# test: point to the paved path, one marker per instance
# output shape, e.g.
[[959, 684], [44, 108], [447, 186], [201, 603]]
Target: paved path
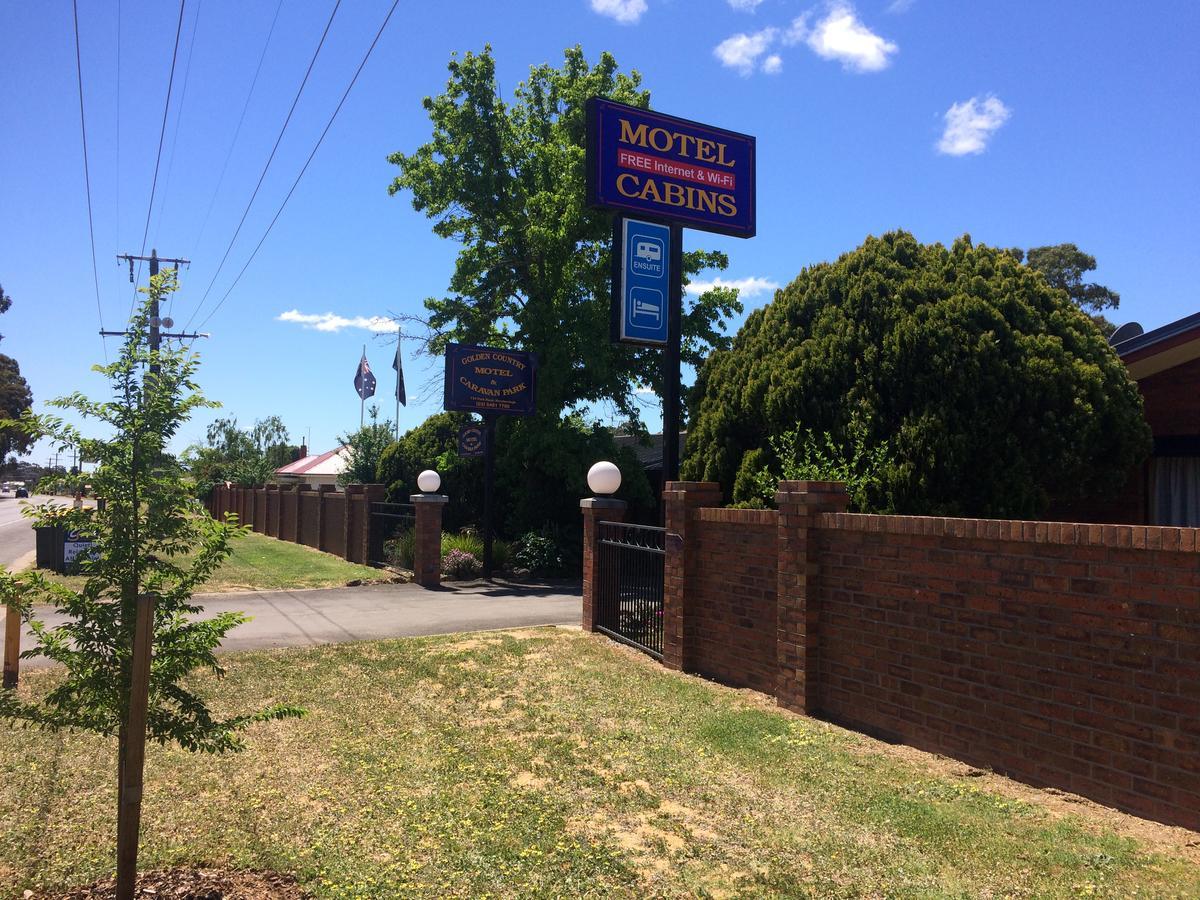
[[372, 612]]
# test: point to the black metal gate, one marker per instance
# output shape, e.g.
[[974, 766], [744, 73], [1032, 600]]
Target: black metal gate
[[629, 587], [388, 520]]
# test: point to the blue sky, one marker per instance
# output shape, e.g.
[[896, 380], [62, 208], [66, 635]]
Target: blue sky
[[1020, 123]]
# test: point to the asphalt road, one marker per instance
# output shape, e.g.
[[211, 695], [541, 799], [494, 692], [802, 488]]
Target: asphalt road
[[374, 612], [16, 534]]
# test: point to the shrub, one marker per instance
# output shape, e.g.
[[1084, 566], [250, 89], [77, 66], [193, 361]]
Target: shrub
[[988, 390], [460, 564], [398, 550], [537, 553]]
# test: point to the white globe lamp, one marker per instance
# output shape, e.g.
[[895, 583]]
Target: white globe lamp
[[429, 481], [604, 478]]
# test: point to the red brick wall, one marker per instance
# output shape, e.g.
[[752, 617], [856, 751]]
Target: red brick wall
[[1061, 654], [730, 613], [1173, 400], [1065, 655]]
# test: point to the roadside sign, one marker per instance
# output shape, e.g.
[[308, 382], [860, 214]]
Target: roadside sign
[[641, 281], [670, 169], [472, 441], [75, 547], [490, 380]]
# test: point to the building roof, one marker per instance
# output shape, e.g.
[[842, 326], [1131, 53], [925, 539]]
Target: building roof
[[1163, 348], [649, 455], [331, 463]]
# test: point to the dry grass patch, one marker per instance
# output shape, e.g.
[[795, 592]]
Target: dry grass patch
[[552, 763]]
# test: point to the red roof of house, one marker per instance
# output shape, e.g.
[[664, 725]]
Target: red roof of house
[[309, 463]]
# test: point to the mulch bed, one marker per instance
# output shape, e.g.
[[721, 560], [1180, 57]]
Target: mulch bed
[[200, 884]]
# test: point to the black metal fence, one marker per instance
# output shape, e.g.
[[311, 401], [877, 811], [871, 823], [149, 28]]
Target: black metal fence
[[629, 587], [388, 520]]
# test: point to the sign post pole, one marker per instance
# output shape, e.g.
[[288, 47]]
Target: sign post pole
[[489, 485], [671, 373]]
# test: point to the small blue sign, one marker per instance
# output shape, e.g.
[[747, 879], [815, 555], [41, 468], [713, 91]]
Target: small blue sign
[[643, 289]]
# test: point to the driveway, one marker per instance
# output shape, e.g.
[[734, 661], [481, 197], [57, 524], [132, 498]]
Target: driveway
[[372, 612]]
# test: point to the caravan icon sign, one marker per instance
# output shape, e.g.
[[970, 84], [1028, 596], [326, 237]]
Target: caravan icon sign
[[641, 281]]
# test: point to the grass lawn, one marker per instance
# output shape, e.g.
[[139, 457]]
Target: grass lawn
[[554, 763], [260, 563]]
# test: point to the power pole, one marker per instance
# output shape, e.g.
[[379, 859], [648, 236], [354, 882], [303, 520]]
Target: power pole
[[156, 333]]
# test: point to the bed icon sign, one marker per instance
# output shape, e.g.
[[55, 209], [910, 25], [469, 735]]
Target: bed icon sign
[[641, 281], [646, 306]]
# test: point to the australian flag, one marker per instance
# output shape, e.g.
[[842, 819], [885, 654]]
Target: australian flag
[[364, 379], [399, 367]]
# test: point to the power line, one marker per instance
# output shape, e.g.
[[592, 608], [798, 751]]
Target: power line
[[304, 169], [187, 76], [87, 177], [270, 158], [158, 158], [238, 130]]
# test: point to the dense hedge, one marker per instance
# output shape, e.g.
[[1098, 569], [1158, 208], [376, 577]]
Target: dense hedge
[[995, 394]]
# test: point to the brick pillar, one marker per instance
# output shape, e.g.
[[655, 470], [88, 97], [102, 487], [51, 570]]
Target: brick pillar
[[680, 501], [353, 507], [298, 511], [272, 528], [372, 493], [595, 509], [797, 639], [427, 544], [322, 490]]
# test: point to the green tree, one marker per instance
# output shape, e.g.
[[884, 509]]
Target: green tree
[[242, 456], [152, 536], [993, 392], [506, 180], [366, 446], [15, 399], [1064, 266], [15, 396], [434, 445]]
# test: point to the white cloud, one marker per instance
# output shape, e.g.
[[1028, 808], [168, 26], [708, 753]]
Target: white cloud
[[900, 6], [970, 124], [741, 51], [773, 64], [748, 287], [841, 36], [333, 323], [745, 5], [798, 30], [627, 12]]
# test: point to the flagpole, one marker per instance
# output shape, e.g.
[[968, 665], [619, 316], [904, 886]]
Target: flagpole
[[362, 399], [397, 434]]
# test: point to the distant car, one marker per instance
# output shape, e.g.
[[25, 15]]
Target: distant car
[[22, 492]]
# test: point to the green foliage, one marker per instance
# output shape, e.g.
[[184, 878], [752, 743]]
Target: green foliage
[[541, 471], [994, 393], [399, 549], [804, 456], [241, 456], [537, 553], [434, 445], [151, 537], [15, 397], [367, 446], [506, 180], [1064, 266]]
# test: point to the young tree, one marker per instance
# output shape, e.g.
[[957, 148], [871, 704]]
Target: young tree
[[994, 393], [151, 537], [366, 448]]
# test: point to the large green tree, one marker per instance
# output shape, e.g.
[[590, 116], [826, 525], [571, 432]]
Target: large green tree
[[244, 456], [15, 396], [1064, 266], [993, 392], [506, 180]]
